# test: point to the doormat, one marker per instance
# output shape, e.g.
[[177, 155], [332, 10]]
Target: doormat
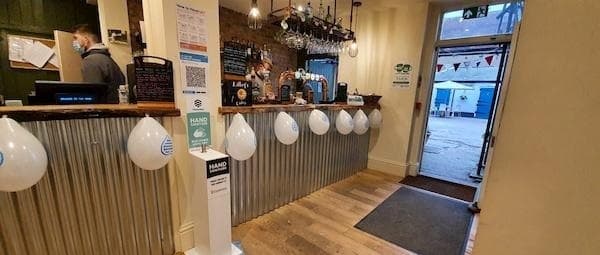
[[421, 222], [458, 191]]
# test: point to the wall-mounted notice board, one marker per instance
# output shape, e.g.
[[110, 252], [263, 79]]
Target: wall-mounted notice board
[[15, 47]]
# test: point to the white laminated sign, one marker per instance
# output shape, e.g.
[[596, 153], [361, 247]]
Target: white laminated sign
[[217, 173]]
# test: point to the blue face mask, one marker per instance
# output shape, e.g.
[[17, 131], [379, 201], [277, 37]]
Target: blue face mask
[[78, 48]]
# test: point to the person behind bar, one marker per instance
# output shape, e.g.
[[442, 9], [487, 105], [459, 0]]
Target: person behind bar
[[97, 65]]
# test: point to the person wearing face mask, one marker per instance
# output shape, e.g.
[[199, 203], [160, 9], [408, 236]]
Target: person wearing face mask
[[97, 65]]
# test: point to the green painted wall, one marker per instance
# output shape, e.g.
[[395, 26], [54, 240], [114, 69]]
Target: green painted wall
[[36, 18]]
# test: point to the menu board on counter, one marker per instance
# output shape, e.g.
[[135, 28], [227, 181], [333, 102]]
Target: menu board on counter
[[154, 81]]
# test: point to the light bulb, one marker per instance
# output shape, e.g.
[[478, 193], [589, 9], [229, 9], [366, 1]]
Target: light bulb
[[353, 49], [254, 18]]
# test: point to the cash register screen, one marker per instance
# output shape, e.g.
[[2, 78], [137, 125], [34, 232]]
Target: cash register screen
[[53, 92]]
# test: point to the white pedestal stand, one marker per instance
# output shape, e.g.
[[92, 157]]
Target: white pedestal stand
[[211, 205]]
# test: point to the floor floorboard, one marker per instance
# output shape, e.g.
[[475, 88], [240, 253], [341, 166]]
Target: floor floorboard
[[323, 222]]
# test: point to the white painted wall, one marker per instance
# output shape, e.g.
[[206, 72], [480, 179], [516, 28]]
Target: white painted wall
[[161, 33], [542, 186], [388, 36], [113, 15]]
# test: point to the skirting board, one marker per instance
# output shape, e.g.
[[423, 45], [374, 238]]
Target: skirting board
[[186, 234], [387, 166]]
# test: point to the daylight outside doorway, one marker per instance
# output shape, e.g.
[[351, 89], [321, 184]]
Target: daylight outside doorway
[[471, 54]]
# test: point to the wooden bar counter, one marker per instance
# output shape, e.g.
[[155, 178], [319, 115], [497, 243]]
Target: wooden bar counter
[[290, 108], [64, 112]]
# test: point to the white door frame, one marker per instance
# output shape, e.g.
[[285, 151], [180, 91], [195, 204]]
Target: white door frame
[[510, 38]]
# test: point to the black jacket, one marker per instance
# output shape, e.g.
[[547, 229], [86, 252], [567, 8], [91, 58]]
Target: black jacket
[[99, 67]]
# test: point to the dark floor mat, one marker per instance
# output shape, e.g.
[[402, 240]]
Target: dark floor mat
[[458, 191], [424, 223]]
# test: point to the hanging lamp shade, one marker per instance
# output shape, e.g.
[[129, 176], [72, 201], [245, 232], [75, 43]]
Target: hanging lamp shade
[[254, 17], [353, 48]]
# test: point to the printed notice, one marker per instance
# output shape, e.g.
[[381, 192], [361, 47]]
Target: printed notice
[[194, 71], [191, 28], [402, 75], [198, 129], [217, 174]]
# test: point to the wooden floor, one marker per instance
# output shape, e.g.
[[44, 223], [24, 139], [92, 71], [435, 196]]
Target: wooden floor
[[323, 222]]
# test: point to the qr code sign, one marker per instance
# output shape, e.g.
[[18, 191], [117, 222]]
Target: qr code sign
[[195, 76]]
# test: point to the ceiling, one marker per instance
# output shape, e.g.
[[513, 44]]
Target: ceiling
[[343, 6]]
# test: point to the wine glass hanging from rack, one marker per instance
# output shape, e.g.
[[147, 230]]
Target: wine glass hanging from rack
[[302, 29]]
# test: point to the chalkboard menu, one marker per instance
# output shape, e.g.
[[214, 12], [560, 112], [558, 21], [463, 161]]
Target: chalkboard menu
[[234, 58], [154, 81]]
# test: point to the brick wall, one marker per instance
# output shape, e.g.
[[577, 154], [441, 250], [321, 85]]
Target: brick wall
[[136, 14], [235, 25]]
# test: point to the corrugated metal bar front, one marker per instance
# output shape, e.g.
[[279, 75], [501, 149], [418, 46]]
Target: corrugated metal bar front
[[92, 200], [278, 174]]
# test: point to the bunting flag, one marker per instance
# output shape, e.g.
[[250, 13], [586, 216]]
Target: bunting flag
[[456, 66], [467, 64], [489, 59], [439, 67], [478, 63]]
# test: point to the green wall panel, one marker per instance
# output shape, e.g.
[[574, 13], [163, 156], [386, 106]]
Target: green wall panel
[[37, 18]]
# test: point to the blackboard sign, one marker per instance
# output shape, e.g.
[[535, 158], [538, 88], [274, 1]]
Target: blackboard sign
[[234, 58], [154, 81]]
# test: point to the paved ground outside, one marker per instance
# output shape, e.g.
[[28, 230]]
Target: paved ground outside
[[453, 149]]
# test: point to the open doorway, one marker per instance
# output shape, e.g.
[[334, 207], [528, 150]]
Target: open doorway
[[468, 70], [463, 99]]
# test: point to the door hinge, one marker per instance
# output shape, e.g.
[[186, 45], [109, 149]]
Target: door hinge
[[492, 141], [419, 81]]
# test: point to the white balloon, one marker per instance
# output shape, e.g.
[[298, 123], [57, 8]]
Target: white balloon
[[375, 118], [318, 122], [361, 122], [344, 123], [240, 140], [286, 128], [23, 159], [149, 145]]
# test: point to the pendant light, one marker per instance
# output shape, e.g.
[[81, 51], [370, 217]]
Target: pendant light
[[353, 48], [254, 18]]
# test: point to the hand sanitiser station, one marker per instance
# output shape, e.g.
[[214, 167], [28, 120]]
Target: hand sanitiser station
[[212, 204]]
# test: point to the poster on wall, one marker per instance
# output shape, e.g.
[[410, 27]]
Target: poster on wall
[[217, 173], [194, 72], [198, 126], [191, 29], [193, 63], [402, 76]]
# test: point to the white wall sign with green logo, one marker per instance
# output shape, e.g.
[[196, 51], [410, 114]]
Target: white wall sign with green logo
[[402, 74], [198, 129]]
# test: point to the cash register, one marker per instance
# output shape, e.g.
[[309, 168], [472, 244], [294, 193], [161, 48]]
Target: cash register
[[62, 93]]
